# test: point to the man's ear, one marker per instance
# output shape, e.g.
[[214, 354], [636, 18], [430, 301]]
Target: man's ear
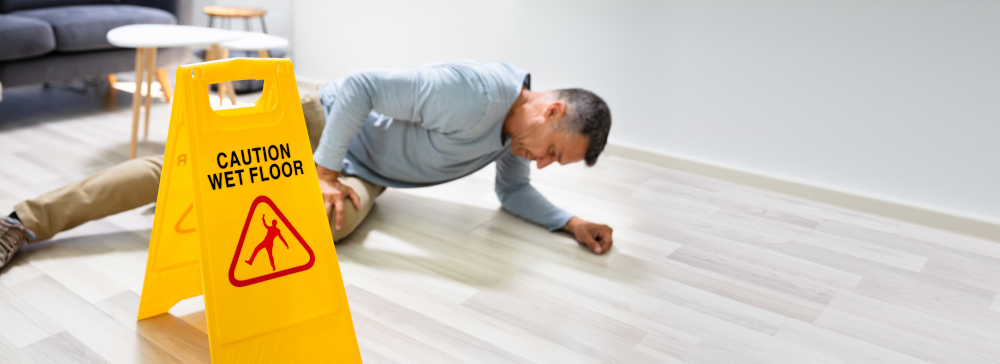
[[555, 110]]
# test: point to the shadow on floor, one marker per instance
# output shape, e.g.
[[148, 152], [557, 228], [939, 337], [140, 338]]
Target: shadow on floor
[[416, 234], [29, 105]]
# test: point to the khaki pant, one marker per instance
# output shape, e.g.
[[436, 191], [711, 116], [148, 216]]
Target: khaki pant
[[135, 183]]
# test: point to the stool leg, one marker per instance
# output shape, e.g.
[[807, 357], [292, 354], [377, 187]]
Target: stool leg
[[210, 20], [150, 68], [140, 63], [263, 53], [262, 26]]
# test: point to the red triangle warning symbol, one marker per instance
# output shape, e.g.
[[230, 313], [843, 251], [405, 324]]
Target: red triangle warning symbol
[[269, 254]]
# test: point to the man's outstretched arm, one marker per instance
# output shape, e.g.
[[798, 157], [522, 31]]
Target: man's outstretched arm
[[517, 196], [263, 220]]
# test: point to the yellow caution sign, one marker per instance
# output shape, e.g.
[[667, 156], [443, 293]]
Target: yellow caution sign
[[240, 217]]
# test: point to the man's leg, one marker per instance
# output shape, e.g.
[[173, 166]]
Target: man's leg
[[312, 109], [117, 189], [120, 188], [353, 217]]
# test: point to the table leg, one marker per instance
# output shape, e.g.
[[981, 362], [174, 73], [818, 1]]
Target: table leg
[[216, 53], [164, 80], [232, 92], [112, 92], [150, 67], [221, 88], [140, 63], [263, 53]]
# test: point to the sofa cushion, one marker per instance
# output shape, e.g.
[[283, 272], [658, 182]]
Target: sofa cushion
[[81, 65], [23, 37], [7, 6], [85, 27]]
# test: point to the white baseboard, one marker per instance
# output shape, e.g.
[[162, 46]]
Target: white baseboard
[[980, 226]]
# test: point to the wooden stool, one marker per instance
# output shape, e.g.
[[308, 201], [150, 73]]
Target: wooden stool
[[249, 42], [228, 13]]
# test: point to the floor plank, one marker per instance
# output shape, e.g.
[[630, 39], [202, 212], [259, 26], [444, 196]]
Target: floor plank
[[62, 348], [10, 353], [974, 339], [95, 329], [445, 338], [906, 342], [850, 349], [582, 330], [949, 239], [854, 247]]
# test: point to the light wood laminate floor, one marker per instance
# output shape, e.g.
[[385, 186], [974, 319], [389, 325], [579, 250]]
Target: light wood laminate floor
[[701, 271]]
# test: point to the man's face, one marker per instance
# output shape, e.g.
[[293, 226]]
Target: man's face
[[546, 144]]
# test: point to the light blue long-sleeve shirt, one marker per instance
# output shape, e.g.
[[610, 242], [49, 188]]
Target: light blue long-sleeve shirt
[[422, 126]]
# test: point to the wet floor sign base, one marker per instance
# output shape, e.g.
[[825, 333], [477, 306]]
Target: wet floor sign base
[[240, 219]]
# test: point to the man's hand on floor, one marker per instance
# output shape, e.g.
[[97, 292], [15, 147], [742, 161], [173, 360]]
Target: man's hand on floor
[[334, 194], [597, 237]]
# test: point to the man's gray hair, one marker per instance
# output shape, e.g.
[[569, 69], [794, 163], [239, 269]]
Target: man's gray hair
[[588, 115]]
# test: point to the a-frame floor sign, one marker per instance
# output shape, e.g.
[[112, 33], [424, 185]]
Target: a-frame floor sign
[[240, 218]]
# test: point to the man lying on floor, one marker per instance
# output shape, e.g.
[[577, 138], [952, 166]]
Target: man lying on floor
[[410, 127]]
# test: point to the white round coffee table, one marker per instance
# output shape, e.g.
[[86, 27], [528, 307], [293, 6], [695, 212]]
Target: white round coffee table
[[248, 41], [146, 38], [259, 42]]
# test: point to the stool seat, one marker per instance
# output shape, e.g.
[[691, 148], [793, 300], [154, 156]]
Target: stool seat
[[229, 12]]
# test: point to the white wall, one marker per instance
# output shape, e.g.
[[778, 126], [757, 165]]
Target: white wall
[[895, 97]]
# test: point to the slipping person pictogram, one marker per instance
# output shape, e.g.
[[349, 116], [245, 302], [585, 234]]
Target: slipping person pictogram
[[272, 232], [293, 260]]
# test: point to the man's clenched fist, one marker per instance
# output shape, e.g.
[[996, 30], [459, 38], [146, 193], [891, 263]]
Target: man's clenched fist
[[597, 237]]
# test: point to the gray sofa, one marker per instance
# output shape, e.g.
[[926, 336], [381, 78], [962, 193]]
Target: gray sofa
[[62, 40]]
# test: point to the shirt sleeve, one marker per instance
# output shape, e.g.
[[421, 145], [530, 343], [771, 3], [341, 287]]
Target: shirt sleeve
[[517, 196], [422, 95]]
